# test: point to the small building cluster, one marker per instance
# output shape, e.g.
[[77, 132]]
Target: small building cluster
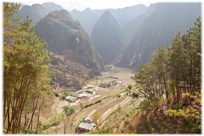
[[86, 125], [82, 95], [103, 84]]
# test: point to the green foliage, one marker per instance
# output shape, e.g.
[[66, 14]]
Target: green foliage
[[68, 110], [81, 104], [87, 105], [171, 68], [98, 101], [96, 116], [184, 101], [127, 115], [129, 86], [144, 105], [89, 91], [135, 86], [134, 94], [192, 114], [54, 121], [103, 130], [56, 94], [119, 109], [139, 129], [177, 106], [63, 97], [25, 67]]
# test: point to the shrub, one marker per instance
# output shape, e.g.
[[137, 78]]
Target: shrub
[[185, 101], [98, 101], [127, 115], [130, 87], [63, 97], [54, 121], [87, 105], [56, 94], [139, 130], [135, 95], [89, 91], [70, 111], [177, 106]]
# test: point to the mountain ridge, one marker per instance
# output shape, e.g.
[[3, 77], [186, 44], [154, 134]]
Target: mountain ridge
[[69, 40]]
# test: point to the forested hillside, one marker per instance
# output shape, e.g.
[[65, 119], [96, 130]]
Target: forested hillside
[[170, 86], [65, 36]]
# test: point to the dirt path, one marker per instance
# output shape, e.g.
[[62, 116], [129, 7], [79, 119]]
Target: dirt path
[[91, 113]]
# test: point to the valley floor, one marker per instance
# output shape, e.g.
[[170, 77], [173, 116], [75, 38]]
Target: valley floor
[[107, 106]]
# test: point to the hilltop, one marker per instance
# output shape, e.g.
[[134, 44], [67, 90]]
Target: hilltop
[[65, 36]]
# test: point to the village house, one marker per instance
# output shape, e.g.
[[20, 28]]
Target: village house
[[86, 126], [90, 86], [120, 83], [82, 95], [103, 84], [71, 99]]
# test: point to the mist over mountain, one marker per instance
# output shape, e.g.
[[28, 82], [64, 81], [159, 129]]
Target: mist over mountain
[[107, 37], [50, 6], [159, 28], [151, 8], [87, 18], [65, 36], [35, 12], [124, 15], [131, 27]]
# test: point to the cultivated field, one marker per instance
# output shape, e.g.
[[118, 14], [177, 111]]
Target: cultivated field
[[105, 107]]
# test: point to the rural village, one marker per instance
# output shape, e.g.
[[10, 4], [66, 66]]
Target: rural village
[[107, 89]]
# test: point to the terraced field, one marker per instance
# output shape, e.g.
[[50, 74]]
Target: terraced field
[[105, 107]]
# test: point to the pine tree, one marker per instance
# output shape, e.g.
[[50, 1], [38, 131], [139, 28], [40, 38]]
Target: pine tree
[[25, 68]]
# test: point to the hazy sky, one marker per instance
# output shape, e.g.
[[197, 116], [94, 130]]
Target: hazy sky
[[93, 4]]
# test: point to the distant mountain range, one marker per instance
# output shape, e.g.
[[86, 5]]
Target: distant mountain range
[[124, 15], [107, 37], [50, 6], [87, 18], [125, 37], [158, 28], [35, 12]]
